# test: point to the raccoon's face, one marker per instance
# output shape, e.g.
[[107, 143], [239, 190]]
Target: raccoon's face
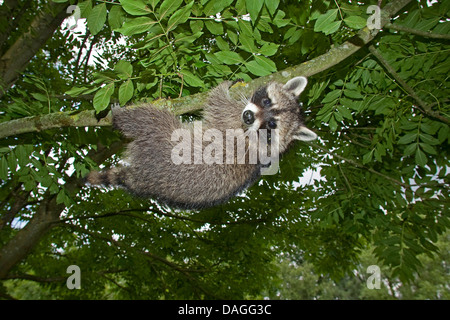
[[275, 106]]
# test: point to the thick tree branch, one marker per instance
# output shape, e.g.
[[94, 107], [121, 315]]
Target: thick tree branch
[[6, 11], [195, 102], [45, 218], [51, 121], [17, 57], [25, 240]]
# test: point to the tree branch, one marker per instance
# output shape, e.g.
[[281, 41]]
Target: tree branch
[[153, 257], [17, 57], [195, 102], [358, 165], [51, 121], [424, 108], [36, 278], [45, 218], [417, 32]]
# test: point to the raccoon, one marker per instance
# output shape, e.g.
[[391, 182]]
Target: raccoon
[[151, 172]]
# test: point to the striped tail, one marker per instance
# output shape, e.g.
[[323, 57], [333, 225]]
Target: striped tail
[[111, 177]]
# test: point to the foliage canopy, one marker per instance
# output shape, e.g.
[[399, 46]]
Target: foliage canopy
[[381, 164]]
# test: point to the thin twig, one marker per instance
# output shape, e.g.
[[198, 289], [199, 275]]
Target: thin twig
[[422, 105], [358, 165], [417, 32]]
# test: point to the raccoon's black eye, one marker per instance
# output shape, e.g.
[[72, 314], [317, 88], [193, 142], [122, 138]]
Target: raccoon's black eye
[[272, 124], [248, 117], [266, 102]]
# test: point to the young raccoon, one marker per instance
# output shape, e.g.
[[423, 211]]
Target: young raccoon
[[151, 171]]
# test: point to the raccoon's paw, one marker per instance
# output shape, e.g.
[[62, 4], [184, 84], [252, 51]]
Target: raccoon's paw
[[240, 80]]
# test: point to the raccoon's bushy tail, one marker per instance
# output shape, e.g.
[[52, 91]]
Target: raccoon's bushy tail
[[111, 177]]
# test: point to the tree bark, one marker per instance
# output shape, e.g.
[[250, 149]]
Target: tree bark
[[22, 243], [45, 218], [17, 57]]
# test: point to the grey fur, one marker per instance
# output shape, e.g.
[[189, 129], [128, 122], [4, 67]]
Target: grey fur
[[151, 173]]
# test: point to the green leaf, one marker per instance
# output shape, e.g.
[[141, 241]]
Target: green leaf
[[326, 22], [254, 7], [368, 157], [333, 124], [355, 22], [97, 18], [124, 69], [103, 97], [427, 148], [279, 20], [126, 91], [153, 3], [345, 112], [269, 49], [21, 155], [215, 27], [191, 79], [196, 25], [168, 6], [214, 7], [135, 7], [259, 69], [3, 169], [179, 17], [266, 63], [409, 150], [247, 43], [40, 97], [229, 57], [136, 26], [331, 96], [63, 197], [408, 138], [222, 44], [421, 158], [272, 5], [428, 139], [353, 94], [116, 17], [75, 91]]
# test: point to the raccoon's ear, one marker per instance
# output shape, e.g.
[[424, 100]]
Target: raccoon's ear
[[304, 134], [296, 85]]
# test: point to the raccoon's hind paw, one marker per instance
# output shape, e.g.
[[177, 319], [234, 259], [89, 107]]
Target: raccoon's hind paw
[[240, 80]]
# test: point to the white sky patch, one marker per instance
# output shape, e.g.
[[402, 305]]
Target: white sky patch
[[78, 29], [309, 176]]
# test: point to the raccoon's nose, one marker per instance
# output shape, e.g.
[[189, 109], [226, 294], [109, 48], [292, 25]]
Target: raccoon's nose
[[248, 117]]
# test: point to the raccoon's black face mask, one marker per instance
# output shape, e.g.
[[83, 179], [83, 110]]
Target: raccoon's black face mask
[[275, 106]]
